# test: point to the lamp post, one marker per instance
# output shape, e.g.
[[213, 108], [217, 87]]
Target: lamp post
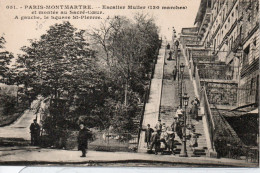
[[176, 52], [181, 70], [184, 150], [176, 55], [173, 34]]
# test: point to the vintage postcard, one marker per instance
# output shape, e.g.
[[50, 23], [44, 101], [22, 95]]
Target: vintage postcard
[[129, 83]]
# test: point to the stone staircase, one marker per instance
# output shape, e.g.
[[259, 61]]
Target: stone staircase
[[169, 104]]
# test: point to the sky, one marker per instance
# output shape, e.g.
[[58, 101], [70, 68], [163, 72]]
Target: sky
[[17, 32]]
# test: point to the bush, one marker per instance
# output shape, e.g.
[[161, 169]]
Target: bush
[[8, 104]]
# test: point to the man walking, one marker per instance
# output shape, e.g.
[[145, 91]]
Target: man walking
[[35, 132], [84, 135]]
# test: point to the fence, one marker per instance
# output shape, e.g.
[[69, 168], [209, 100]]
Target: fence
[[114, 141], [102, 141]]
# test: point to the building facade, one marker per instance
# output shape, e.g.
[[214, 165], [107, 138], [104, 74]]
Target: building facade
[[224, 58], [229, 31]]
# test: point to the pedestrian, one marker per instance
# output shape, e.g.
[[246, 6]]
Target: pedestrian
[[35, 132], [179, 129], [194, 110], [174, 73], [168, 46], [197, 101], [179, 113], [83, 137], [158, 126], [148, 135], [193, 139], [174, 123], [155, 139], [170, 55], [163, 137], [170, 140]]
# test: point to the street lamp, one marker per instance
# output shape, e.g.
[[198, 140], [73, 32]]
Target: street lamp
[[177, 65], [181, 71], [176, 55], [184, 150]]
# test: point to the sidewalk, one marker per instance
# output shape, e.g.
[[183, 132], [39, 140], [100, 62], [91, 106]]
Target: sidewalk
[[20, 128], [36, 156]]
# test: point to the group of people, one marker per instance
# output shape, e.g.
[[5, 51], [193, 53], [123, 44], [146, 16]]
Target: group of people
[[162, 138]]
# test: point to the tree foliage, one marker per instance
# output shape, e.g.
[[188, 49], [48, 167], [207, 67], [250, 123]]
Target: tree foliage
[[5, 58], [101, 82]]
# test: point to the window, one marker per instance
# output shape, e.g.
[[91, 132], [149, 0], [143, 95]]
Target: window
[[231, 42], [252, 86], [254, 42], [245, 55], [249, 18]]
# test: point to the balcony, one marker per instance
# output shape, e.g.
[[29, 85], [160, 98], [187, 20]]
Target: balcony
[[204, 58], [237, 43], [189, 31]]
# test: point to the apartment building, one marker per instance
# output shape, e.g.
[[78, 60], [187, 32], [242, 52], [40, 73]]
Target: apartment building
[[248, 40], [228, 30]]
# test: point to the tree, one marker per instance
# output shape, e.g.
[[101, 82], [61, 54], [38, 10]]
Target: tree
[[61, 66], [128, 50], [5, 58]]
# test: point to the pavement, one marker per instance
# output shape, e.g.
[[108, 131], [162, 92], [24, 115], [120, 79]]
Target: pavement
[[20, 128], [39, 156]]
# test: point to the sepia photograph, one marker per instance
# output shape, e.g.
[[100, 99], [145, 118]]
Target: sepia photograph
[[169, 84]]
